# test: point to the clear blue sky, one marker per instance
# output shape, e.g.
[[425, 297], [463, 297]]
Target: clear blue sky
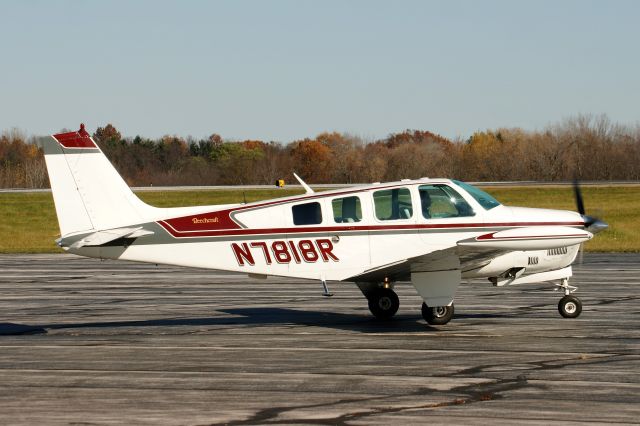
[[281, 70]]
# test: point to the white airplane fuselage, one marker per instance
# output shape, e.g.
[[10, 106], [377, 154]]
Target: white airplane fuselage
[[432, 232], [261, 239]]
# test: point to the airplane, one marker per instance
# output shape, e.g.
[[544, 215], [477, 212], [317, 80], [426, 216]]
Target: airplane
[[431, 232]]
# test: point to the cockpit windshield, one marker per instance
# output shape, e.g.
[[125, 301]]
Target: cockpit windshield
[[484, 199]]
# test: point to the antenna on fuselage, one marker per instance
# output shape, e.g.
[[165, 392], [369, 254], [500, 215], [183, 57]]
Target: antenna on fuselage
[[307, 188]]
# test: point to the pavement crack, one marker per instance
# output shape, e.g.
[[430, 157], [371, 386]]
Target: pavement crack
[[614, 300], [552, 364], [468, 394]]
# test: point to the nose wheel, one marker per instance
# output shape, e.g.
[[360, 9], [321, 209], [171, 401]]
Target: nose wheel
[[570, 306], [383, 303]]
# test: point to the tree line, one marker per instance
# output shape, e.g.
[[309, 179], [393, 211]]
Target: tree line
[[584, 147]]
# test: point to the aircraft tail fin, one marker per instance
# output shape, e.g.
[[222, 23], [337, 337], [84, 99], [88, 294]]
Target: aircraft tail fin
[[88, 192]]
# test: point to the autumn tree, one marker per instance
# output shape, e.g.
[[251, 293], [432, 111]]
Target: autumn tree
[[106, 134], [21, 162], [311, 160], [375, 163]]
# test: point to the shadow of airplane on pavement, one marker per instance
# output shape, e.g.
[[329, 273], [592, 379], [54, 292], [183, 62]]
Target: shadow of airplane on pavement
[[247, 317], [259, 316]]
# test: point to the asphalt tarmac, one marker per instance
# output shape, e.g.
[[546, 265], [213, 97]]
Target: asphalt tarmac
[[87, 342]]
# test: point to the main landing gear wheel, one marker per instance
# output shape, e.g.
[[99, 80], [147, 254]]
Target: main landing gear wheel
[[383, 303], [438, 315], [570, 306]]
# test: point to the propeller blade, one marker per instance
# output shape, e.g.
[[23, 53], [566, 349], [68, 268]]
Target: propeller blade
[[591, 224], [578, 194]]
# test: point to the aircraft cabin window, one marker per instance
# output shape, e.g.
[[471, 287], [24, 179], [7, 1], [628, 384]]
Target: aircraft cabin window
[[440, 201], [307, 214], [393, 204], [346, 210]]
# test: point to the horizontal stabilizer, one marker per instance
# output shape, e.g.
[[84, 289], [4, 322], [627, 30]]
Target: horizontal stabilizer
[[103, 237]]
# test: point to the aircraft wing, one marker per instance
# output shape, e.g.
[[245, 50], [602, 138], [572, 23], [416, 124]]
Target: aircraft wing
[[473, 253], [437, 274], [458, 257]]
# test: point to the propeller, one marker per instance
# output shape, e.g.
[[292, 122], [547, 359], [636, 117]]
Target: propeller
[[591, 223]]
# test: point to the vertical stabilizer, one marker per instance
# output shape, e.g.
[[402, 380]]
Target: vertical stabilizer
[[88, 192]]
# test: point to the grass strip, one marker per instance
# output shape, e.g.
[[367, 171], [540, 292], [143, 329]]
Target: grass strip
[[29, 223]]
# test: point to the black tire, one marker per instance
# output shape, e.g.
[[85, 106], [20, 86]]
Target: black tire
[[570, 306], [383, 303], [439, 315]]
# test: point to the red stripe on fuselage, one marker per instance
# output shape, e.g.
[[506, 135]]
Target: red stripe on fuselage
[[326, 229], [492, 237]]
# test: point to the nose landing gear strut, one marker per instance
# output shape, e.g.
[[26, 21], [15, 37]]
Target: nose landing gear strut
[[569, 306]]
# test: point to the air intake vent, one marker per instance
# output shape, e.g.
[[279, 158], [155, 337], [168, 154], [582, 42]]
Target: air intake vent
[[533, 260], [557, 251]]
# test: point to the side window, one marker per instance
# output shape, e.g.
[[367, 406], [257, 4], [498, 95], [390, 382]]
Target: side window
[[393, 204], [307, 214], [346, 210], [440, 201]]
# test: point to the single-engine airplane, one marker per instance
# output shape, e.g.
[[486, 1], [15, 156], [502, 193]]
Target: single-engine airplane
[[432, 232]]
